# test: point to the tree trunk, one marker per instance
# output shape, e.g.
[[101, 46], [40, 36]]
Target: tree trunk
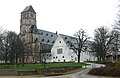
[[6, 57], [78, 56]]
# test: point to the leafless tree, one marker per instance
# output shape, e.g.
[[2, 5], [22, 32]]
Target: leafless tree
[[12, 47], [81, 38], [19, 51], [1, 45], [103, 40]]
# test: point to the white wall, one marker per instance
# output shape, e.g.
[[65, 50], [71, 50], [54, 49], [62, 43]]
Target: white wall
[[87, 56], [68, 54]]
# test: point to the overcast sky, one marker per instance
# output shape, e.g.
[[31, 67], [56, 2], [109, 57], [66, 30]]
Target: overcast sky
[[64, 16]]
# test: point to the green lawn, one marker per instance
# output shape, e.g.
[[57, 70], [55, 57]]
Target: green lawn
[[42, 66]]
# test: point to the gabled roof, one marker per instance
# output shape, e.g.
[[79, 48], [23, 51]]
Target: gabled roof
[[73, 40], [46, 37], [69, 40], [29, 8]]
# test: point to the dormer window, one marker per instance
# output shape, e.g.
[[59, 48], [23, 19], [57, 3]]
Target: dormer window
[[53, 42], [51, 35], [56, 57], [68, 41], [46, 34], [42, 39], [65, 37], [71, 45], [41, 33], [48, 41]]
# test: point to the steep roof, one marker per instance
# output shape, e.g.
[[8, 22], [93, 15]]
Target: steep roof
[[46, 37], [29, 8], [69, 40]]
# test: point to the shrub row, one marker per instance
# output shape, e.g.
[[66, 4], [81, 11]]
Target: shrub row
[[47, 71], [105, 71]]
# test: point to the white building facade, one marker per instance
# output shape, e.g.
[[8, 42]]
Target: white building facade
[[62, 51]]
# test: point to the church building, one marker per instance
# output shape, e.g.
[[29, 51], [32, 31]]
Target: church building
[[45, 46], [37, 41]]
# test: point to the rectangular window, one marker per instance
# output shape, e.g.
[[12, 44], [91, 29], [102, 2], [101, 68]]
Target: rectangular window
[[59, 51]]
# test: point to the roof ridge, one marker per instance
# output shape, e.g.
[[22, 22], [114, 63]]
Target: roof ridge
[[47, 31], [67, 35]]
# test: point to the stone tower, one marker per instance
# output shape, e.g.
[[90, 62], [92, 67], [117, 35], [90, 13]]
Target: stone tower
[[27, 24]]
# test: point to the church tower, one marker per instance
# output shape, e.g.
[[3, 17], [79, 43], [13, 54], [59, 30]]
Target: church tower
[[27, 22]]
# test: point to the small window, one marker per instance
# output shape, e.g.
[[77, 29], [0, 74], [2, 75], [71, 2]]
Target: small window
[[59, 41], [27, 14], [51, 35], [71, 56], [48, 41], [41, 33], [62, 56], [71, 45], [42, 39], [64, 60], [65, 37], [56, 57], [68, 41], [58, 60], [46, 34], [53, 57], [53, 42], [59, 51]]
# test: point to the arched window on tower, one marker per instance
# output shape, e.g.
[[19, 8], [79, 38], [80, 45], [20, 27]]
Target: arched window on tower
[[27, 15]]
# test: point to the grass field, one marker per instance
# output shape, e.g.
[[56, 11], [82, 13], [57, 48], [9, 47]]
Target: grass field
[[41, 65]]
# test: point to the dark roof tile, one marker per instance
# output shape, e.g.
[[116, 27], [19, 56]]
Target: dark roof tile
[[29, 8]]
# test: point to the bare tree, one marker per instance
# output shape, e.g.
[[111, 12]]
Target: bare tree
[[12, 39], [19, 51], [81, 38], [12, 47], [103, 41], [1, 45]]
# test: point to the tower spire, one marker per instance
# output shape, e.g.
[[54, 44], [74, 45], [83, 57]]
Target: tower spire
[[29, 8]]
